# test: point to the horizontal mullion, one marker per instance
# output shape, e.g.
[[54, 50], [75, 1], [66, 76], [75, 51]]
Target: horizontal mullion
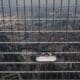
[[47, 79], [74, 42], [30, 72], [39, 62], [39, 52], [42, 19], [44, 31]]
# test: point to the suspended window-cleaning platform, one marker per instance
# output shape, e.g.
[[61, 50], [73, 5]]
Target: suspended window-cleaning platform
[[46, 58]]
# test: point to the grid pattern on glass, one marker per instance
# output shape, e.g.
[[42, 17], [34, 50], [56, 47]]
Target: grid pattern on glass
[[29, 28]]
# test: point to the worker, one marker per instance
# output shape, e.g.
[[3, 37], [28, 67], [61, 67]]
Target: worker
[[50, 54], [43, 54]]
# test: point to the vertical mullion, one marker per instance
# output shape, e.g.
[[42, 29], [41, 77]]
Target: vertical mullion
[[67, 20], [24, 15], [76, 2], [61, 13], [53, 12], [2, 6], [11, 31], [46, 23], [17, 14], [53, 26], [10, 19], [10, 14], [25, 33], [32, 18], [17, 9], [10, 26], [32, 14], [39, 21], [46, 19], [39, 14], [46, 13], [24, 19], [39, 30], [53, 19], [74, 24], [61, 5], [61, 9]]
